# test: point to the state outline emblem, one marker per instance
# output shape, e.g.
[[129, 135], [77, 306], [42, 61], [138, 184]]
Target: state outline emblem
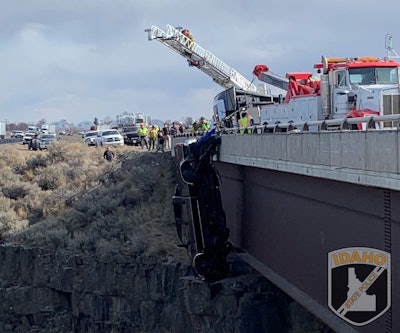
[[359, 284]]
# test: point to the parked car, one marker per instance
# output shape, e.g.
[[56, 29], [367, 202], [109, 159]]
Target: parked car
[[130, 134], [90, 137], [42, 141], [28, 136], [17, 134], [109, 137]]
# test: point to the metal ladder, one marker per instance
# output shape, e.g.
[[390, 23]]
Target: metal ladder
[[197, 56]]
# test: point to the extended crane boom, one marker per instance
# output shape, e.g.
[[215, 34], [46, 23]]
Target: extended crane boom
[[197, 56]]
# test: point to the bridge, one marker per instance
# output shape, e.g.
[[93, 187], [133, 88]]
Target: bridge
[[297, 204]]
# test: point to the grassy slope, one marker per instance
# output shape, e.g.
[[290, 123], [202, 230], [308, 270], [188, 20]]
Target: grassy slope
[[70, 197]]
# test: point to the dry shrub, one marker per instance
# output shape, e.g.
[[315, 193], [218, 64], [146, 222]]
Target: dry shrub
[[28, 176], [21, 211], [9, 220], [38, 161], [15, 191], [11, 159], [49, 232], [58, 152], [109, 209], [52, 177], [42, 181], [9, 177]]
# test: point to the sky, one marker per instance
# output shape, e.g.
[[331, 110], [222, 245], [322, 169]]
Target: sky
[[77, 60]]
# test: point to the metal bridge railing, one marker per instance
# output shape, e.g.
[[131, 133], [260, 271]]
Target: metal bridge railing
[[369, 123], [10, 140]]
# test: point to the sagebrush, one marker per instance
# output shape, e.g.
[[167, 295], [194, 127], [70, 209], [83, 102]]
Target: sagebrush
[[70, 197]]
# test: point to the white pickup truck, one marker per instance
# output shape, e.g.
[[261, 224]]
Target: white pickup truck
[[109, 137], [28, 136], [89, 138]]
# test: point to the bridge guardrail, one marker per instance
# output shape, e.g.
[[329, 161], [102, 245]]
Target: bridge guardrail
[[10, 140], [370, 123]]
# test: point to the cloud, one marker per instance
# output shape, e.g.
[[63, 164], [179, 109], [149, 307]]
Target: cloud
[[77, 60]]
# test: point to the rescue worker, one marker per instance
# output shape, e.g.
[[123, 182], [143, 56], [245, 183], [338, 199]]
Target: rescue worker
[[167, 136], [153, 137], [160, 141], [190, 42], [180, 128], [142, 132], [194, 127], [245, 122], [108, 154], [33, 143], [204, 124]]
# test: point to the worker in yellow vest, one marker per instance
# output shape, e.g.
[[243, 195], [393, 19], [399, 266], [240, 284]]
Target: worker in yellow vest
[[153, 137], [142, 132], [204, 124], [245, 122]]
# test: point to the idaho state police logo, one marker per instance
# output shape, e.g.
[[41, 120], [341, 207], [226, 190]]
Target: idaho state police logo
[[359, 284]]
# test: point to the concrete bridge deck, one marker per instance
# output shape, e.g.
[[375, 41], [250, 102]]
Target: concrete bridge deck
[[366, 158]]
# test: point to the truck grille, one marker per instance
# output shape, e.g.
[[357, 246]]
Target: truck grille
[[391, 105], [113, 139]]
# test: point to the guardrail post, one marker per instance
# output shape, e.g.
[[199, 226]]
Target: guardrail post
[[371, 123], [344, 125]]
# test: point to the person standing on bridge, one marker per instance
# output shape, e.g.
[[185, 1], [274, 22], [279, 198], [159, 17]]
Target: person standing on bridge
[[142, 132], [160, 141], [245, 122], [204, 124], [167, 136], [152, 137]]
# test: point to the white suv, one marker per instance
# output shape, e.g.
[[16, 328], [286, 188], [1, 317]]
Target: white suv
[[17, 134], [90, 138], [109, 137]]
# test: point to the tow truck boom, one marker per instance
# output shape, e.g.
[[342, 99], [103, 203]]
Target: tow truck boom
[[197, 56]]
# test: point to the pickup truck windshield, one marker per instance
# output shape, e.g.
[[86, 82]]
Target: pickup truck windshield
[[48, 136], [113, 132], [132, 129]]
